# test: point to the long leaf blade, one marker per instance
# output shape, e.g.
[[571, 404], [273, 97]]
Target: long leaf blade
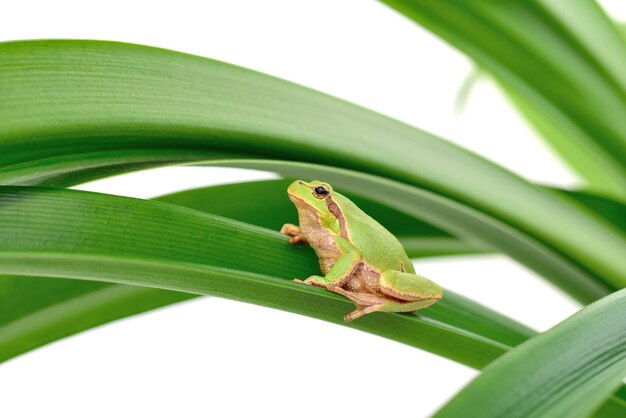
[[567, 72], [265, 205], [80, 235], [101, 98], [36, 311], [565, 372], [448, 215]]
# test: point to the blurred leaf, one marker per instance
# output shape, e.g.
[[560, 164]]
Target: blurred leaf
[[265, 203], [615, 407], [565, 372], [553, 132], [96, 101], [561, 62], [609, 209], [80, 235], [579, 157], [466, 88], [36, 311], [446, 214]]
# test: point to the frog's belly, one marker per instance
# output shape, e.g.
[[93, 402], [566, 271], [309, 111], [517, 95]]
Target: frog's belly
[[363, 279]]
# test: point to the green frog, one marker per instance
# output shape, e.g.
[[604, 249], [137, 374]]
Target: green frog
[[359, 258]]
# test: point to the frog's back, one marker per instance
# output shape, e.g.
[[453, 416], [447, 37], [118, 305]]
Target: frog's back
[[378, 247]]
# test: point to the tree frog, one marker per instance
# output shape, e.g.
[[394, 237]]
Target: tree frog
[[359, 258]]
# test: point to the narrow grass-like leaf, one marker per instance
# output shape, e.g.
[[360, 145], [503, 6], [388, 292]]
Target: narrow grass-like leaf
[[36, 311], [80, 235], [565, 372], [99, 99], [461, 221], [558, 135], [566, 73], [581, 156], [264, 203], [611, 210]]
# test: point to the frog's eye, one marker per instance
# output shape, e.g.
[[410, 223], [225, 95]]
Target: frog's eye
[[321, 192]]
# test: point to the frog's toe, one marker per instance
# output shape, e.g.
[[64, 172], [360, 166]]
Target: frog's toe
[[290, 229], [313, 281], [360, 311], [297, 238]]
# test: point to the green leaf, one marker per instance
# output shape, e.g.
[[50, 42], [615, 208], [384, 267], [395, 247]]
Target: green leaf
[[565, 372], [615, 407], [100, 100], [43, 310], [448, 215], [559, 134], [611, 210], [264, 203], [36, 311], [261, 203], [80, 235], [556, 134], [566, 74]]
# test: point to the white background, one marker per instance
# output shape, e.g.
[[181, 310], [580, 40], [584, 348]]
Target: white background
[[215, 357]]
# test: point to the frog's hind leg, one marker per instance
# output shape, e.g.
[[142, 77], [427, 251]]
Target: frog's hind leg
[[360, 311], [365, 302], [409, 287]]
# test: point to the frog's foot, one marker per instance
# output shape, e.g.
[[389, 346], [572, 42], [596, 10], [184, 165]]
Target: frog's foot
[[294, 233], [313, 281], [360, 311], [365, 302]]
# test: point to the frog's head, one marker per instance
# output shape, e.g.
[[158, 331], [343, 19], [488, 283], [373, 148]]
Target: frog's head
[[311, 196], [317, 208]]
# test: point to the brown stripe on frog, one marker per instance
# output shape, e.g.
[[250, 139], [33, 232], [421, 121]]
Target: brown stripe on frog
[[336, 212]]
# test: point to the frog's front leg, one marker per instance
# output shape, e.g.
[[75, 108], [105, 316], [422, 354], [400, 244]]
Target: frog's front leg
[[341, 271], [294, 233], [365, 303]]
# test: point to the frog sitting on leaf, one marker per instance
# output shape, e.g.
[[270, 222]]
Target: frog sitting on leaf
[[359, 258]]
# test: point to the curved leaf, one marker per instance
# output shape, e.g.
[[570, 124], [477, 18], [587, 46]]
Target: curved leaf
[[565, 372], [100, 99], [611, 210], [43, 310], [566, 74], [80, 235], [261, 203], [461, 221], [36, 311], [264, 203]]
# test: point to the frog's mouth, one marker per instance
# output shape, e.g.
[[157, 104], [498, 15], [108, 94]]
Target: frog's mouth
[[301, 204], [297, 184], [297, 201]]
